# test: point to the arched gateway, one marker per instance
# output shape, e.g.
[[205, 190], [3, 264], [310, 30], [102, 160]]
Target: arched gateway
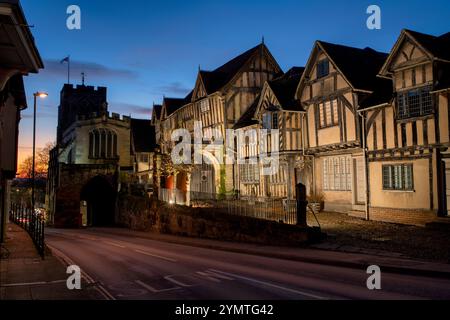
[[97, 203]]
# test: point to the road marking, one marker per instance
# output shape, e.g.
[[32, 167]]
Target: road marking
[[88, 238], [155, 255], [150, 288], [39, 283], [272, 285], [114, 244], [66, 260], [208, 276], [177, 282], [212, 276]]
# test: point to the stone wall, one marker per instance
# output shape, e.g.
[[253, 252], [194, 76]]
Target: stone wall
[[67, 195], [404, 216], [151, 215]]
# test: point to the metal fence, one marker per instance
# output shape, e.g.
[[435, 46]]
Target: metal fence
[[275, 209], [32, 222]]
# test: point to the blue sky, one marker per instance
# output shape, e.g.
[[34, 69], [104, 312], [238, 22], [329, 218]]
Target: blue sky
[[144, 49]]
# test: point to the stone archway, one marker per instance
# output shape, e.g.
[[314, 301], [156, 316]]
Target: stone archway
[[204, 179], [98, 202]]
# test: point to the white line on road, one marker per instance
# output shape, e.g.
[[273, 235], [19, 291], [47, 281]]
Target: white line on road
[[209, 277], [87, 238], [271, 285], [155, 255], [150, 288], [114, 244], [177, 282], [40, 283], [67, 261]]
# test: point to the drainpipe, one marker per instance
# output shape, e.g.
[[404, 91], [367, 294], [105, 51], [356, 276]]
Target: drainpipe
[[364, 145], [308, 156]]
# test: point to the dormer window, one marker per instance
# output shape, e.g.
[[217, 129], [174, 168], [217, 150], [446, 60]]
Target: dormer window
[[270, 120], [323, 68]]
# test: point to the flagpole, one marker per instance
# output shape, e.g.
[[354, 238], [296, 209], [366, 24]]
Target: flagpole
[[68, 70]]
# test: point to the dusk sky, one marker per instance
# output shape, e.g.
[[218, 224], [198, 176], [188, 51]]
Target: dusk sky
[[142, 50]]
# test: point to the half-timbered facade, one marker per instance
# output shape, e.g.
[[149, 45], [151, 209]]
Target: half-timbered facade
[[336, 79], [275, 109], [408, 132], [218, 100]]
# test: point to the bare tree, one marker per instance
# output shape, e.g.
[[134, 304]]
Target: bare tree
[[41, 167]]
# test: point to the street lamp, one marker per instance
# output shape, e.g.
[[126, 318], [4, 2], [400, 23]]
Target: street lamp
[[33, 178]]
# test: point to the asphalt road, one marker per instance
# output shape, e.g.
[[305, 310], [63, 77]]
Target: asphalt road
[[125, 267]]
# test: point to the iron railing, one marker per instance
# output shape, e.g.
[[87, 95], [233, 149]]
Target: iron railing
[[30, 221], [275, 209]]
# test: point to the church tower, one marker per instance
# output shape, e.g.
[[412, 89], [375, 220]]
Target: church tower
[[79, 102]]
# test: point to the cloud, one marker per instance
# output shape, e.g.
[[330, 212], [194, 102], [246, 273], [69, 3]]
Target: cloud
[[39, 115], [176, 88], [128, 108], [54, 68]]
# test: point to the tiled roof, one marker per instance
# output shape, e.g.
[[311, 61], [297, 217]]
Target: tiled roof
[[157, 110], [218, 78], [247, 119], [359, 66], [143, 135], [173, 104], [285, 87], [439, 47]]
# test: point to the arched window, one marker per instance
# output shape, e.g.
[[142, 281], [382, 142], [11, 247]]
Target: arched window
[[102, 144]]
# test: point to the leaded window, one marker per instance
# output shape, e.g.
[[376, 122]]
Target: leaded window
[[337, 174], [398, 177], [249, 173], [328, 114], [323, 68], [415, 103]]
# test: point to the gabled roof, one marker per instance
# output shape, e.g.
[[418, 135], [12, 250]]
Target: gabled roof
[[439, 47], [156, 114], [359, 66], [383, 94], [172, 104], [143, 135], [284, 88], [217, 79], [434, 47]]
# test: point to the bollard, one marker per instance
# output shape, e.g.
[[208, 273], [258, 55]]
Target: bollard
[[301, 204]]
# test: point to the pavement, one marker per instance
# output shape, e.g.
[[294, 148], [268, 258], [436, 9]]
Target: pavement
[[25, 275], [138, 265]]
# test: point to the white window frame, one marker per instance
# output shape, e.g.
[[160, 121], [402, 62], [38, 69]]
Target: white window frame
[[337, 175]]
